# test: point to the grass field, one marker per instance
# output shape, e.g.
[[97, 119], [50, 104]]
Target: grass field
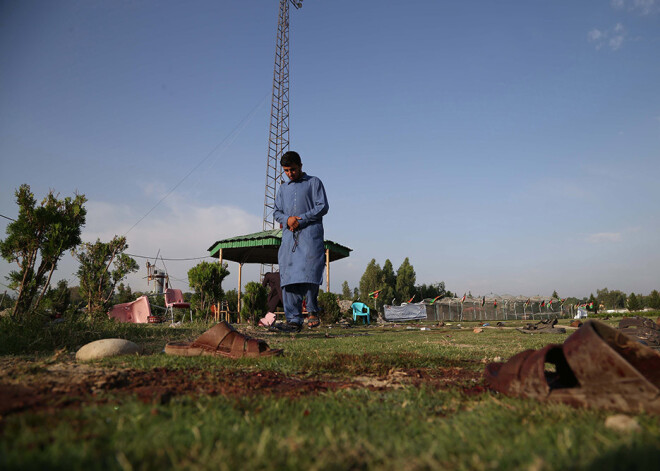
[[378, 397]]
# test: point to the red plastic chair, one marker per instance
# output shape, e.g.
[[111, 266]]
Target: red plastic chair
[[174, 300]]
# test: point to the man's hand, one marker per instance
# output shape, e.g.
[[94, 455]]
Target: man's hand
[[292, 223]]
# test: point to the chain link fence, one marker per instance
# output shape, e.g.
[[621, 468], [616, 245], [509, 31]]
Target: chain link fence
[[498, 308]]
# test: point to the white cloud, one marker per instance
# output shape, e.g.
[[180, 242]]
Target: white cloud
[[604, 237], [595, 35], [614, 38], [177, 229], [644, 7]]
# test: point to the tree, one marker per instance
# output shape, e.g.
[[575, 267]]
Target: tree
[[432, 291], [654, 300], [611, 299], [36, 242], [593, 304], [345, 290], [555, 295], [232, 300], [124, 294], [206, 279], [6, 301], [330, 310], [255, 302], [388, 292], [101, 266], [405, 281], [58, 299], [633, 303], [372, 280]]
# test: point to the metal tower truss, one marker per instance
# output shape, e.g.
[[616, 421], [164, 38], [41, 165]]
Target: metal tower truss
[[278, 136]]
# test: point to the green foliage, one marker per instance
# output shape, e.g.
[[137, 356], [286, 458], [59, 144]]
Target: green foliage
[[614, 299], [593, 304], [653, 300], [395, 288], [443, 416], [372, 280], [206, 279], [330, 310], [58, 300], [102, 265], [254, 301], [36, 241], [232, 300], [345, 290], [37, 337], [6, 301], [388, 288], [405, 281], [633, 303], [432, 291], [124, 294]]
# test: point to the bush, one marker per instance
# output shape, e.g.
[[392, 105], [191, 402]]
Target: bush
[[330, 311], [254, 302]]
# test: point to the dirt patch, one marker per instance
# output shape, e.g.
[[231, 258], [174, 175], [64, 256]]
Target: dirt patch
[[42, 386]]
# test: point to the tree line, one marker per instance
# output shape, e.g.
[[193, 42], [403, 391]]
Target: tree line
[[43, 232], [390, 287]]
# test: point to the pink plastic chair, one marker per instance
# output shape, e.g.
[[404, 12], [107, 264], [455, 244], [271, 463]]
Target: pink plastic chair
[[138, 311], [174, 300]]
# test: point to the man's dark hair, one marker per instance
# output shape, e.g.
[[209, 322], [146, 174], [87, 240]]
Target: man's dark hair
[[290, 158]]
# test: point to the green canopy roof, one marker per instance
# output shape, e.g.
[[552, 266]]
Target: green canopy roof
[[262, 247]]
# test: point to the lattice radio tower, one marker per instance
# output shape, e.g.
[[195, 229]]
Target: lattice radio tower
[[278, 136]]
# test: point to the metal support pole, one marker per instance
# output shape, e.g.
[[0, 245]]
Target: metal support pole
[[327, 270], [240, 271]]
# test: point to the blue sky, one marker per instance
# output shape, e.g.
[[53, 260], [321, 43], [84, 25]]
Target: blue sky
[[504, 147]]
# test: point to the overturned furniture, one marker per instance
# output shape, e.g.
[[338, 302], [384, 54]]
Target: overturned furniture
[[137, 312]]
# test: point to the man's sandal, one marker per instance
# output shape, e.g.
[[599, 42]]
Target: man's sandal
[[313, 321], [222, 340], [597, 366]]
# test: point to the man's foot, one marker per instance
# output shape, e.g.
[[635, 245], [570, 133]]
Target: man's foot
[[313, 321], [290, 327]]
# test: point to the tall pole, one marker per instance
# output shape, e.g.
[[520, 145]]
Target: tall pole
[[278, 136]]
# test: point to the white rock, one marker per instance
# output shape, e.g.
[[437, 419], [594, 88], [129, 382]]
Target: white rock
[[622, 423], [105, 348]]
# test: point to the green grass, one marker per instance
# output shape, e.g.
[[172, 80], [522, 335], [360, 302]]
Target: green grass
[[410, 427]]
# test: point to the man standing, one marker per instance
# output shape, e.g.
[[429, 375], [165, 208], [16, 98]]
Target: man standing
[[300, 205], [272, 280]]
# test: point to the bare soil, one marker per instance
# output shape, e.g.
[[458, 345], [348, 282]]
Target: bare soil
[[29, 386]]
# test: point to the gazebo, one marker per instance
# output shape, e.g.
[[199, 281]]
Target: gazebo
[[262, 247]]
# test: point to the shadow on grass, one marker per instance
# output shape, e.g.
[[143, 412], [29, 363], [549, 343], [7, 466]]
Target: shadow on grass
[[630, 458], [36, 336]]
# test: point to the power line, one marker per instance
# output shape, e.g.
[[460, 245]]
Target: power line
[[171, 259], [7, 217], [234, 134]]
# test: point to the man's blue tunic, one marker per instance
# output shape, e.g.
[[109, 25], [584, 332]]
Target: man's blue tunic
[[302, 255]]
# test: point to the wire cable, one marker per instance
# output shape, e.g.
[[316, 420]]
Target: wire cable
[[170, 259], [235, 132]]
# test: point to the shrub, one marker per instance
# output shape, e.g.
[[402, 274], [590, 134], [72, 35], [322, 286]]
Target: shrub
[[254, 302], [330, 310]]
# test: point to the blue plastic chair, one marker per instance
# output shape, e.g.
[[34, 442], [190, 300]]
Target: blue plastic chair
[[361, 309]]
